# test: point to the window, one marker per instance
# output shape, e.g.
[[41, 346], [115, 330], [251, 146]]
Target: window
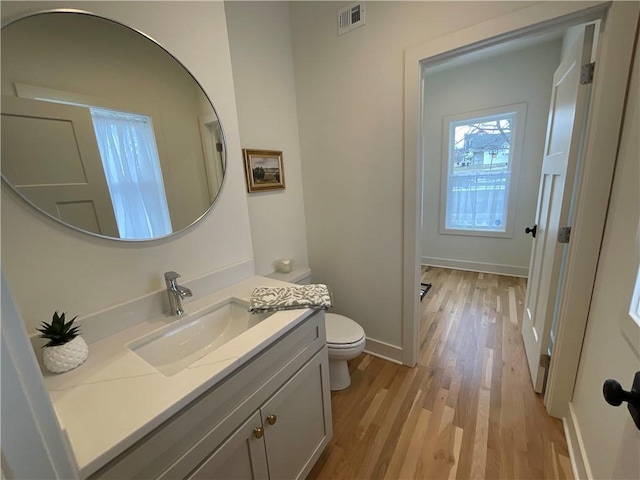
[[132, 168], [130, 161], [481, 154], [634, 309], [630, 324]]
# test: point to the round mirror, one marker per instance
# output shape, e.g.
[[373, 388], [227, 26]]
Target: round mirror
[[104, 130]]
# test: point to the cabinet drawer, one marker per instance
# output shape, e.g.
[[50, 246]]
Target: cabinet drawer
[[176, 447]]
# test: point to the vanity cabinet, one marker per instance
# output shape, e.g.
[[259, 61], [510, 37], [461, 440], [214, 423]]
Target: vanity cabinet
[[241, 457], [270, 419], [277, 440]]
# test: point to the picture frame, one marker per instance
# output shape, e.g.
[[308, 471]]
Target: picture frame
[[263, 170]]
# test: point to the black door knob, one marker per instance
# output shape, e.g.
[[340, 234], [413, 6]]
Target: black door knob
[[532, 230], [614, 394]]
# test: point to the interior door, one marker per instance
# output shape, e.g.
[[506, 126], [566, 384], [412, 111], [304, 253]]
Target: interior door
[[211, 134], [611, 347], [567, 114], [71, 186]]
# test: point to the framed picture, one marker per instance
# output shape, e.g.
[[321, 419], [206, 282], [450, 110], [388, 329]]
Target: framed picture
[[263, 169]]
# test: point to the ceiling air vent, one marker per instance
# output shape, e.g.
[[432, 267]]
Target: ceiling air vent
[[350, 17]]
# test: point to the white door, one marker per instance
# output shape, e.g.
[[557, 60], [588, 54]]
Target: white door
[[611, 347], [61, 172], [211, 135], [567, 114]]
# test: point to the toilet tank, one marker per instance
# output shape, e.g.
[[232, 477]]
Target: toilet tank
[[304, 278], [299, 275]]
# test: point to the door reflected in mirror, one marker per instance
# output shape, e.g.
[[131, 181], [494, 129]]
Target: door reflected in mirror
[[105, 131]]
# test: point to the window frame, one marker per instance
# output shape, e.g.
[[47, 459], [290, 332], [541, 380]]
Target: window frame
[[519, 111], [634, 307], [630, 324], [120, 192]]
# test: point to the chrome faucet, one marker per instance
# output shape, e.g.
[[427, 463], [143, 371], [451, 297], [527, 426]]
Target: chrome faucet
[[176, 293]]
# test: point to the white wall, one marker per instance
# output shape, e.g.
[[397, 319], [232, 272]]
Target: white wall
[[350, 93], [49, 266], [521, 76], [611, 440], [262, 59]]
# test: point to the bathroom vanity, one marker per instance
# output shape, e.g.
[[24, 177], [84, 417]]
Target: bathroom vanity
[[213, 393], [257, 406]]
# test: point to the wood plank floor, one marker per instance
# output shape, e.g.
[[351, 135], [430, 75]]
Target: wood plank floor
[[467, 410]]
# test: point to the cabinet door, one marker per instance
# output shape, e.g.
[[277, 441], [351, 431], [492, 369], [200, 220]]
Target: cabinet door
[[297, 420], [240, 457]]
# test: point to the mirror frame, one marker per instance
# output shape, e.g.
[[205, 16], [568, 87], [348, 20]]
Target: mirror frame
[[5, 181]]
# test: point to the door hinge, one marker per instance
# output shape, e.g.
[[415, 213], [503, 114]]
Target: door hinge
[[586, 73], [564, 234], [545, 361]]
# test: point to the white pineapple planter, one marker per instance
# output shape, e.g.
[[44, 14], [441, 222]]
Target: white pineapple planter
[[63, 358]]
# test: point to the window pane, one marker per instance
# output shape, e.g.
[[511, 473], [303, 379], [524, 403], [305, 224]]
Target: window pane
[[132, 168], [634, 311], [479, 173]]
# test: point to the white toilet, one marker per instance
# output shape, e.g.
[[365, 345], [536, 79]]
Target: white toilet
[[345, 338], [345, 341]]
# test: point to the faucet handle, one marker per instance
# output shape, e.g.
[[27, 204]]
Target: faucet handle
[[171, 275]]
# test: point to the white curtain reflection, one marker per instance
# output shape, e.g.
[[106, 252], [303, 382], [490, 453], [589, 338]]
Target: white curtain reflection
[[132, 167]]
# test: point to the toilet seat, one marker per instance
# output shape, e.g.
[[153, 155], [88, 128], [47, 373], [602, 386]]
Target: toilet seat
[[345, 346], [342, 332]]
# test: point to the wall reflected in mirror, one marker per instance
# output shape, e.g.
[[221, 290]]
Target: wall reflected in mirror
[[105, 131]]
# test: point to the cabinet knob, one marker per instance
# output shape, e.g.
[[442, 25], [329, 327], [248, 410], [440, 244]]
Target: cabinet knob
[[272, 419], [258, 432]]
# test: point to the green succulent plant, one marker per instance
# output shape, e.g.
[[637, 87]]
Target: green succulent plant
[[59, 331]]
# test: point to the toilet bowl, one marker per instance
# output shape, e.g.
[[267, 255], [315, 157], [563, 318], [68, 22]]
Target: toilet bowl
[[345, 338], [345, 341]]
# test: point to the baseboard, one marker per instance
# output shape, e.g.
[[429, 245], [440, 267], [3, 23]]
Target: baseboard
[[510, 270], [383, 350], [577, 453]]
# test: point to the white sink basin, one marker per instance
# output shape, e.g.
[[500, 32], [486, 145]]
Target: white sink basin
[[180, 344]]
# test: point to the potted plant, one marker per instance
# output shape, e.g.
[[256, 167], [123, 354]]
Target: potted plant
[[66, 349]]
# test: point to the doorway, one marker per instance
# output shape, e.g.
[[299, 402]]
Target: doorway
[[484, 122], [484, 166], [618, 32]]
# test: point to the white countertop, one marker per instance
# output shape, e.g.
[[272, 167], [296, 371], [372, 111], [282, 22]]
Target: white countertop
[[115, 398]]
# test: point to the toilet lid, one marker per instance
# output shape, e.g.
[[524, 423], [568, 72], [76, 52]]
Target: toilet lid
[[342, 330]]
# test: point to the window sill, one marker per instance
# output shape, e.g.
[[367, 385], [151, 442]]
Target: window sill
[[631, 332], [475, 233]]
